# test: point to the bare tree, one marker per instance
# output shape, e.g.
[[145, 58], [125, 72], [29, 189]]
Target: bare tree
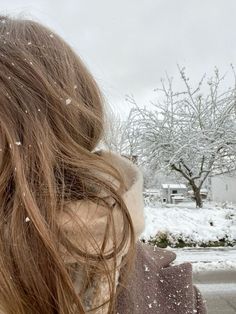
[[121, 136], [191, 132]]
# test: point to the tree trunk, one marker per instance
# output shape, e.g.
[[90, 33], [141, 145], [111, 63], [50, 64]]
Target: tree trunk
[[197, 195], [198, 198]]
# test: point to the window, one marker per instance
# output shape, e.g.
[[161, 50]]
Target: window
[[174, 192]]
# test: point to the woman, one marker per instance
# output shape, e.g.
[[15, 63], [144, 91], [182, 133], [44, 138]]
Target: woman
[[70, 215]]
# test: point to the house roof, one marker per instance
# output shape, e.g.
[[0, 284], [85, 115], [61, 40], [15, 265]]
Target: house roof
[[229, 172], [174, 186]]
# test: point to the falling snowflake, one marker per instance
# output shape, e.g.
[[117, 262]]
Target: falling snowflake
[[51, 35], [18, 143], [27, 219], [68, 101], [146, 268]]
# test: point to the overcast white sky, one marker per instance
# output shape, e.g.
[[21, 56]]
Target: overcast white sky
[[129, 44]]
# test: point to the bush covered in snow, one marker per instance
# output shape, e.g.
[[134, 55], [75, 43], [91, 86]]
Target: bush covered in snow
[[152, 198], [177, 226]]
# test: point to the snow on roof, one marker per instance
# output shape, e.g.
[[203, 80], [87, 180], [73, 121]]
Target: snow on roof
[[173, 186], [201, 191], [221, 172], [177, 197], [151, 191]]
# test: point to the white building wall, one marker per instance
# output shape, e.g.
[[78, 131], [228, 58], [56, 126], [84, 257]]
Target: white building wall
[[223, 188]]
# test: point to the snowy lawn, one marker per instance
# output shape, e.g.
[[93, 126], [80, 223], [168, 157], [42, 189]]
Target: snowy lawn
[[184, 225]]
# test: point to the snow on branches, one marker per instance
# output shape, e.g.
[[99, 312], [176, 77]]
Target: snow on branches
[[192, 131]]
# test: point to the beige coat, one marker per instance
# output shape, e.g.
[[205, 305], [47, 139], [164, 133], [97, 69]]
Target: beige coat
[[155, 287]]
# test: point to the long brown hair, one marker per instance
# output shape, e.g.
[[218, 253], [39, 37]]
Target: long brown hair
[[51, 121]]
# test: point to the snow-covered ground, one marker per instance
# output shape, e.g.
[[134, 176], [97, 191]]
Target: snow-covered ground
[[194, 225], [199, 226], [207, 259]]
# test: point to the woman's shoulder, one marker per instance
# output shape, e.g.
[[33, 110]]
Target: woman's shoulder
[[155, 256], [158, 287]]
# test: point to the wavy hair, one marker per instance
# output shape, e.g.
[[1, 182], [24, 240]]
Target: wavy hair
[[51, 121]]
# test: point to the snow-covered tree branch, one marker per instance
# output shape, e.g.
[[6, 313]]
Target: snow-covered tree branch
[[121, 136], [191, 132]]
